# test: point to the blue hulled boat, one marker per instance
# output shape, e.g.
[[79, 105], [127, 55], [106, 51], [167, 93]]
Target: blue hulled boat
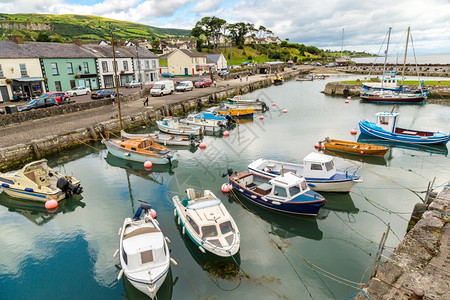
[[286, 193], [386, 128]]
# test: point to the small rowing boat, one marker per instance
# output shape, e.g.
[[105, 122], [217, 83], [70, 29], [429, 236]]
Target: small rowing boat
[[353, 147]]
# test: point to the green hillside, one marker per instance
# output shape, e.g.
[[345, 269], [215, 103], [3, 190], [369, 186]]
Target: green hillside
[[68, 27]]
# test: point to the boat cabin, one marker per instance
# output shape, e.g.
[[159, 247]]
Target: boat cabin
[[142, 247], [318, 165], [210, 222], [387, 120], [286, 187]]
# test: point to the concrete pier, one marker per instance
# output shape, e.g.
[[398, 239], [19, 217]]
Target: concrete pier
[[419, 268]]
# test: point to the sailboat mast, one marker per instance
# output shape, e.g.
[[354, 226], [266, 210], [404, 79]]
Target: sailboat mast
[[385, 58], [406, 51], [342, 46]]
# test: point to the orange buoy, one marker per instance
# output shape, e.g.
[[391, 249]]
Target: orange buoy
[[347, 101], [353, 132], [202, 145], [148, 164], [285, 110], [261, 117], [226, 187], [273, 104], [152, 213], [317, 146], [362, 152], [349, 98], [226, 133], [51, 204]]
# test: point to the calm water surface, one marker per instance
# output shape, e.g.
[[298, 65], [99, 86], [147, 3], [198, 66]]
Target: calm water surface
[[68, 255]]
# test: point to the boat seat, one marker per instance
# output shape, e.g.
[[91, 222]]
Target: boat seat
[[139, 231], [190, 194], [162, 152]]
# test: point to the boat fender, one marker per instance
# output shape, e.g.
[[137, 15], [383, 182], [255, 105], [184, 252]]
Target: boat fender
[[173, 261], [5, 185], [120, 231], [174, 212], [120, 275], [29, 190], [167, 240], [179, 220], [115, 253], [201, 249], [184, 230]]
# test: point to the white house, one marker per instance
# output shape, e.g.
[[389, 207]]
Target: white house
[[219, 60], [186, 62], [145, 64]]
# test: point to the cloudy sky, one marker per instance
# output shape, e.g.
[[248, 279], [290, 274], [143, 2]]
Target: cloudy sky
[[317, 23]]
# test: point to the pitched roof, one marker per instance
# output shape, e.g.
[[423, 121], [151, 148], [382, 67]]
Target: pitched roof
[[213, 57], [191, 53], [42, 50]]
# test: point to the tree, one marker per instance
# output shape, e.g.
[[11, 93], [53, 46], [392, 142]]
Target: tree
[[155, 44], [43, 37], [238, 32], [57, 39]]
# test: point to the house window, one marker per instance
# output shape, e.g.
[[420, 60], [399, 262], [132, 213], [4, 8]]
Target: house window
[[86, 68], [153, 64], [23, 70], [139, 64], [1, 72], [72, 84], [105, 66], [125, 65], [147, 66], [58, 86], [69, 68], [54, 68], [115, 66]]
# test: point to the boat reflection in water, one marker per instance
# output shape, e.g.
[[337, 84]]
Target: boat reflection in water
[[432, 149], [36, 211], [218, 267], [373, 160], [164, 292], [283, 225]]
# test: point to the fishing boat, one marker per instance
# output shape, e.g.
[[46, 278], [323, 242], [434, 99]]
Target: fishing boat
[[391, 93], [144, 254], [165, 139], [257, 104], [207, 223], [318, 170], [278, 80], [233, 110], [304, 78], [386, 128], [38, 182], [353, 147], [288, 192], [173, 125], [140, 150], [207, 121]]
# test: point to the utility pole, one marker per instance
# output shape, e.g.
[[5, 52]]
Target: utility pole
[[139, 68], [116, 79], [231, 53]]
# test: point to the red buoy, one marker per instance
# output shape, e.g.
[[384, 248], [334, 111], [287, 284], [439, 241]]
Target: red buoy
[[51, 204], [347, 101], [226, 133], [202, 145], [362, 152], [152, 213], [349, 98], [353, 132], [148, 164], [285, 110], [273, 104], [261, 117], [226, 187], [317, 146]]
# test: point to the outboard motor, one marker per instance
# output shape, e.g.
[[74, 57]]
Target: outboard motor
[[264, 106], [67, 187], [229, 172], [230, 119], [145, 207]]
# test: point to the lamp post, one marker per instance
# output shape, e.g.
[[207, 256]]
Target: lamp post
[[116, 79]]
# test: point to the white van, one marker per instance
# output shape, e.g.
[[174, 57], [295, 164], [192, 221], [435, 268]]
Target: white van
[[161, 88], [185, 86]]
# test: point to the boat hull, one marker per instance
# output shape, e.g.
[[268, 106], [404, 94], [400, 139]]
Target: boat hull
[[144, 286], [371, 129], [356, 148], [128, 155], [208, 128], [178, 131], [394, 100], [34, 195]]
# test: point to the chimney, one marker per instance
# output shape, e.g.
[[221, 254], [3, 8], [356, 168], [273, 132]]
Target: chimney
[[18, 39], [77, 42]]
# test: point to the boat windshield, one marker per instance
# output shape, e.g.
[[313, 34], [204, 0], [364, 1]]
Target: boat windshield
[[209, 231], [226, 227], [294, 190], [329, 165]]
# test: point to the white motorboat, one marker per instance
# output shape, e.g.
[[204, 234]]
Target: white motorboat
[[37, 181], [207, 121], [162, 138], [173, 125], [207, 223], [144, 254], [317, 168]]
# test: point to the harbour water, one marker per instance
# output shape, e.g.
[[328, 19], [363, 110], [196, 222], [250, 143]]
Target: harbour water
[[421, 59], [68, 254]]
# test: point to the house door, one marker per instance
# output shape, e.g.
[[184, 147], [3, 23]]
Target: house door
[[4, 93], [186, 71]]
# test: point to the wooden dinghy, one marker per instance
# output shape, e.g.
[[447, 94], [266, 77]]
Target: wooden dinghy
[[353, 147]]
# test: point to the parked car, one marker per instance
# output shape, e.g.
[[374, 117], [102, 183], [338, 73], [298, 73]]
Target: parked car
[[185, 86], [133, 84], [167, 74], [104, 94], [79, 90], [294, 67], [330, 65], [58, 96], [38, 103], [223, 72], [203, 82]]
